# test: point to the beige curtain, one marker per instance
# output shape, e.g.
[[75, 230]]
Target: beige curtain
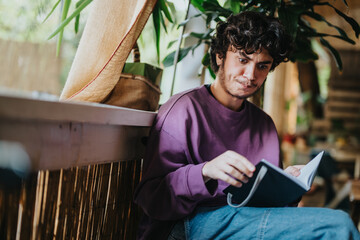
[[112, 28]]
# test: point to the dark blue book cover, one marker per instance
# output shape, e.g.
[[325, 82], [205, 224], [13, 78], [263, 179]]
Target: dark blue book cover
[[271, 186]]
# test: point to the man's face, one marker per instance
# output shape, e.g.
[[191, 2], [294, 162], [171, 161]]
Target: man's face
[[241, 75]]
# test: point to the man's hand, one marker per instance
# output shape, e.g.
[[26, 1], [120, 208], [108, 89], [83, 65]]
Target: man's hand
[[229, 167], [294, 170]]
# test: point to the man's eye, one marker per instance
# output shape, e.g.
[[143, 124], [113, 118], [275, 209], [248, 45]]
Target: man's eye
[[263, 66], [243, 60]]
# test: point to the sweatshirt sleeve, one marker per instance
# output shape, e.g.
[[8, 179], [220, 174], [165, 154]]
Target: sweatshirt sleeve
[[171, 187]]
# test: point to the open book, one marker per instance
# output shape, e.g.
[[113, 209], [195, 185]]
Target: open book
[[270, 186]]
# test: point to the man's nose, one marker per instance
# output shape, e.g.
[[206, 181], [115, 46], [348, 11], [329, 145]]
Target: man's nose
[[250, 72]]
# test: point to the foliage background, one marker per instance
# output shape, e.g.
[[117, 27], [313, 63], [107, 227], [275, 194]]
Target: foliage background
[[23, 20]]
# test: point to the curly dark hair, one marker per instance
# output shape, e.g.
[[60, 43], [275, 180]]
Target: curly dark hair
[[251, 31]]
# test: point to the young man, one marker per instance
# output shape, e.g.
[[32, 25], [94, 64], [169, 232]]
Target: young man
[[210, 137]]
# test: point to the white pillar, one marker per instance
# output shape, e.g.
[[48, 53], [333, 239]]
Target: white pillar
[[281, 88]]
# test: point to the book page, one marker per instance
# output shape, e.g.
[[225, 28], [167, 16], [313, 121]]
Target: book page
[[308, 172], [288, 175]]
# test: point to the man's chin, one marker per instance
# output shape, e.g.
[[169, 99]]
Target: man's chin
[[244, 95]]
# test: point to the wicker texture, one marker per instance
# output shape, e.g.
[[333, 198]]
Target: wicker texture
[[93, 202]]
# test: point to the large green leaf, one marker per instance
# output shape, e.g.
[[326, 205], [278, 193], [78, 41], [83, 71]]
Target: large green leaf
[[234, 5], [65, 11], [162, 19], [67, 20], [169, 60], [290, 13], [309, 32], [213, 75], [183, 23], [198, 4], [172, 43], [165, 10], [202, 36], [52, 10], [334, 36], [355, 26], [206, 59], [333, 51], [193, 48], [214, 8], [77, 18], [289, 16], [211, 16], [320, 18], [303, 51], [157, 21]]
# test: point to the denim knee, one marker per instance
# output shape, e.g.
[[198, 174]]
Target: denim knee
[[341, 218], [342, 225]]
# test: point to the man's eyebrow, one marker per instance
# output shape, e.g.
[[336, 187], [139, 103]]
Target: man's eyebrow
[[243, 54], [266, 62]]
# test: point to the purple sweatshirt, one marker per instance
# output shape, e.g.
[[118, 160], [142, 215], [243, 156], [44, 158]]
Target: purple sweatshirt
[[191, 129]]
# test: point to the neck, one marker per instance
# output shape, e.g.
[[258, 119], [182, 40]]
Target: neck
[[223, 97]]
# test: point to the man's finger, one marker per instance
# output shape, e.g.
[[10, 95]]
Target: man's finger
[[241, 163], [237, 174], [293, 171], [228, 179]]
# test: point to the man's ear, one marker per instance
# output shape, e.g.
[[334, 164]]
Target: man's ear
[[219, 59]]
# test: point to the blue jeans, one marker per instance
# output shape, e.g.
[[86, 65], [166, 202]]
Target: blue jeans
[[266, 223]]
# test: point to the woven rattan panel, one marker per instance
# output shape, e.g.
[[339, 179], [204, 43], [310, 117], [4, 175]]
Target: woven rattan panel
[[93, 202]]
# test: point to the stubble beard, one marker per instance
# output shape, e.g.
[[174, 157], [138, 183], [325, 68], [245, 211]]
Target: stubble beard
[[226, 88]]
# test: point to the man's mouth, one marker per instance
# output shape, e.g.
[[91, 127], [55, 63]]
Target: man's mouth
[[246, 84]]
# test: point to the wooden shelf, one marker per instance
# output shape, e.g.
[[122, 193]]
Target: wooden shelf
[[59, 135]]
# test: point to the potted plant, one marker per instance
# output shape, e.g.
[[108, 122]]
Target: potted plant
[[294, 14], [136, 76]]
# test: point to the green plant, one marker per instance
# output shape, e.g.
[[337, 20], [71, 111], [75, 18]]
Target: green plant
[[292, 13], [160, 12], [65, 19]]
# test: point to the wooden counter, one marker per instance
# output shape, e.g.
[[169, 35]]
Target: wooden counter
[[59, 135]]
